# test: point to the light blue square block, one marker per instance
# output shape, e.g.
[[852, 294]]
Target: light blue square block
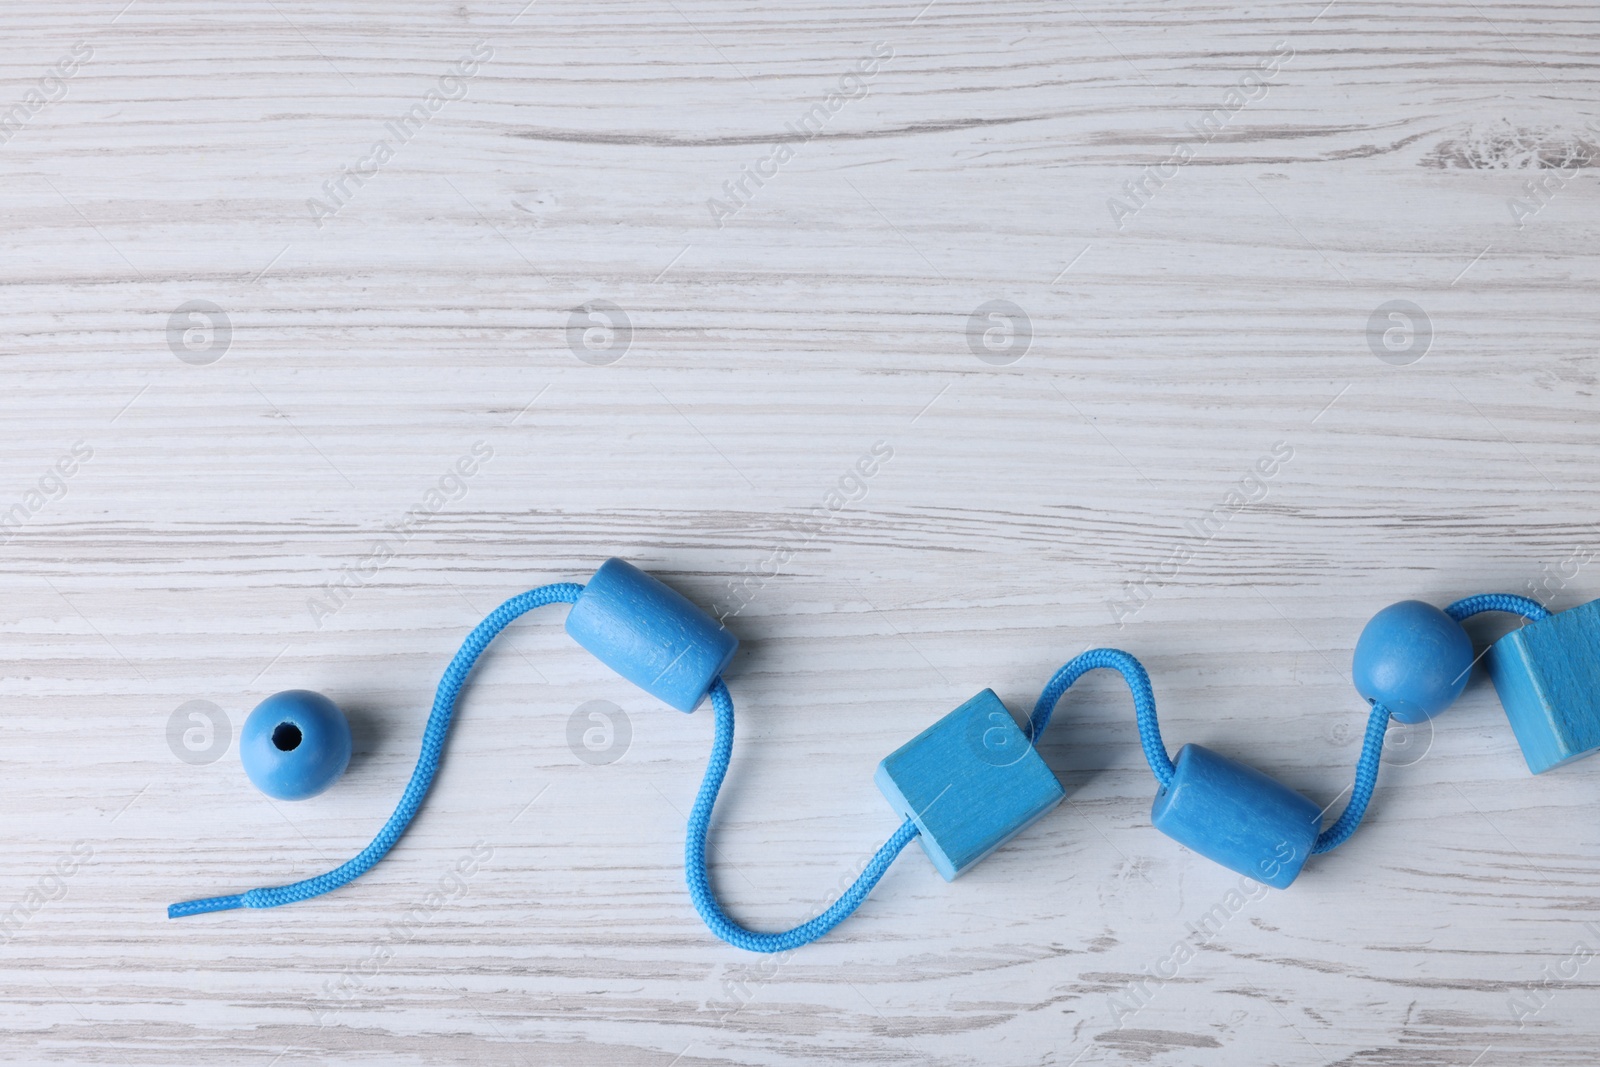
[[1548, 676], [1234, 815], [971, 782]]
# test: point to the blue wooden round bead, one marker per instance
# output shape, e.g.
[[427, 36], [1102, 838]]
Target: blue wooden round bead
[[295, 744], [1413, 659]]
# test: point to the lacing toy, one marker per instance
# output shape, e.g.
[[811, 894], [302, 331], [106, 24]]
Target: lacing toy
[[973, 780]]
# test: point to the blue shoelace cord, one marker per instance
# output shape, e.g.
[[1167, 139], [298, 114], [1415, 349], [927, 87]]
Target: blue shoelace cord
[[1155, 751], [433, 738], [694, 855]]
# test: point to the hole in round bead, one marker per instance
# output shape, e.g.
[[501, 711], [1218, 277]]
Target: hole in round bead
[[286, 737]]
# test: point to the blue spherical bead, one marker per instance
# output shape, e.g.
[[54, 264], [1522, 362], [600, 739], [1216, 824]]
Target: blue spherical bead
[[295, 744], [1413, 659]]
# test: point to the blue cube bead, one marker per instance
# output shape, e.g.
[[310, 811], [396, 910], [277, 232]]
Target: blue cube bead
[[1548, 676], [650, 634], [971, 782], [1413, 659], [1237, 816]]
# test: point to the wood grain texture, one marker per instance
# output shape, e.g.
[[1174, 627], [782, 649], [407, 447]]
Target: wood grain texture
[[1029, 510]]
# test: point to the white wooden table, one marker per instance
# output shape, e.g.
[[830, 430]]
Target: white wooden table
[[1197, 216]]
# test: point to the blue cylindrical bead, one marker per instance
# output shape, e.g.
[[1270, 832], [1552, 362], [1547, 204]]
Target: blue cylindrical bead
[[295, 744], [1237, 816], [1413, 659], [650, 634]]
